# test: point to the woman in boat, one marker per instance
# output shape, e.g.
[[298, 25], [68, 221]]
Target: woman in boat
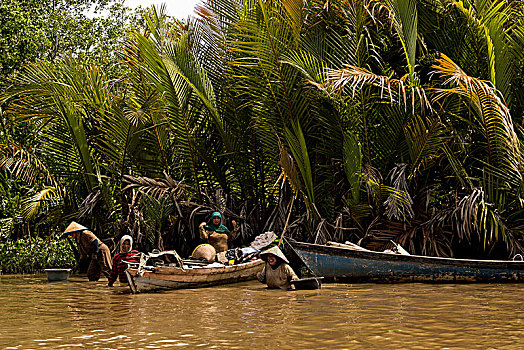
[[90, 247], [276, 272], [120, 260], [217, 234]]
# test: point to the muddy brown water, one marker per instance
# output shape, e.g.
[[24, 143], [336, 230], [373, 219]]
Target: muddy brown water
[[36, 314]]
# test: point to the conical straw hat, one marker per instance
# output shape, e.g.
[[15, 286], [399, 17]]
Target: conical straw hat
[[73, 227], [205, 251], [273, 251]]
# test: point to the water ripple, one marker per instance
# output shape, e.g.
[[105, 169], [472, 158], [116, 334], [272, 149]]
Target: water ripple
[[80, 314]]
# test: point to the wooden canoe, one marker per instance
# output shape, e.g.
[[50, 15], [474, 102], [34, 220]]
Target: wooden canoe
[[149, 278], [342, 264]]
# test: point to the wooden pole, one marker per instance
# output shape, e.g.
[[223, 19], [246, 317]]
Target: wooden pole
[[287, 221]]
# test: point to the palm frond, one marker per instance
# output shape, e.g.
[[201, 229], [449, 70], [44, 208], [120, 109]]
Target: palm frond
[[398, 203], [25, 165], [405, 19], [425, 138], [157, 188], [473, 215], [352, 164], [493, 117], [39, 202], [355, 79], [297, 144], [491, 22]]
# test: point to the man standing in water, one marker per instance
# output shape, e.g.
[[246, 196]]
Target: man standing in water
[[89, 246]]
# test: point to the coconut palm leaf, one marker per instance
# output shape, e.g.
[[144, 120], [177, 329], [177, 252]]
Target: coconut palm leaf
[[157, 188], [172, 69], [297, 144], [295, 12], [312, 69], [354, 79], [289, 171], [66, 93], [426, 138], [405, 19], [395, 199], [398, 204], [25, 165], [490, 20], [41, 201], [485, 38], [474, 215], [457, 167], [492, 116], [352, 165]]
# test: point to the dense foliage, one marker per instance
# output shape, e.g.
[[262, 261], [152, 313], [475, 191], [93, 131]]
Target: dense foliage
[[34, 254], [92, 30], [360, 120]]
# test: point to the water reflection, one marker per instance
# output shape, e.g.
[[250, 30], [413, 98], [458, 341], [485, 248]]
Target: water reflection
[[78, 314]]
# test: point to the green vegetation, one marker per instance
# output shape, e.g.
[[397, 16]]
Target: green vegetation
[[41, 29], [34, 254], [366, 120]]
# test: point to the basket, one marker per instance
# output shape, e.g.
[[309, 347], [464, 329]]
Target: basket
[[308, 283]]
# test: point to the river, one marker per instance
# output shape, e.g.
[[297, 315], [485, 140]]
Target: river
[[76, 314]]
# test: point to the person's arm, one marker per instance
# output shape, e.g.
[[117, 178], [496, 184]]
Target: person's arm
[[291, 275], [81, 244], [114, 272], [76, 253], [83, 255], [233, 233], [203, 232], [261, 276]]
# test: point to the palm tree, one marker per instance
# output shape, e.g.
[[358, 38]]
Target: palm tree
[[425, 138], [62, 159], [360, 118]]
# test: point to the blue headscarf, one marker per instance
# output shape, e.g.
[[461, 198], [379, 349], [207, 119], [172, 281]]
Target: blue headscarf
[[218, 229]]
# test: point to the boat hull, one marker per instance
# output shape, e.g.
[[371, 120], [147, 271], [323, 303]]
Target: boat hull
[[346, 265], [167, 278]]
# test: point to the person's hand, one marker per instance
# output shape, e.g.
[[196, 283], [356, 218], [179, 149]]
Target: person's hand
[[234, 224], [203, 224]]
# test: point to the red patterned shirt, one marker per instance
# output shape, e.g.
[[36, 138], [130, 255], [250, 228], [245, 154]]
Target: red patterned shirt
[[120, 265]]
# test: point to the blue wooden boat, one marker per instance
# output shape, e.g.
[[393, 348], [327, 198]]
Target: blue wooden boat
[[345, 264]]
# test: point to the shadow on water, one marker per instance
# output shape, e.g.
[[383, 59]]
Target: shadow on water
[[37, 314]]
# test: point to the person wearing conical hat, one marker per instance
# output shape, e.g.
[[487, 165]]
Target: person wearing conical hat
[[90, 247], [217, 234], [276, 272]]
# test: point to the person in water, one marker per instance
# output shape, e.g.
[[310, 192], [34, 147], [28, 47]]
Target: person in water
[[217, 234], [90, 247], [276, 272], [120, 260]]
